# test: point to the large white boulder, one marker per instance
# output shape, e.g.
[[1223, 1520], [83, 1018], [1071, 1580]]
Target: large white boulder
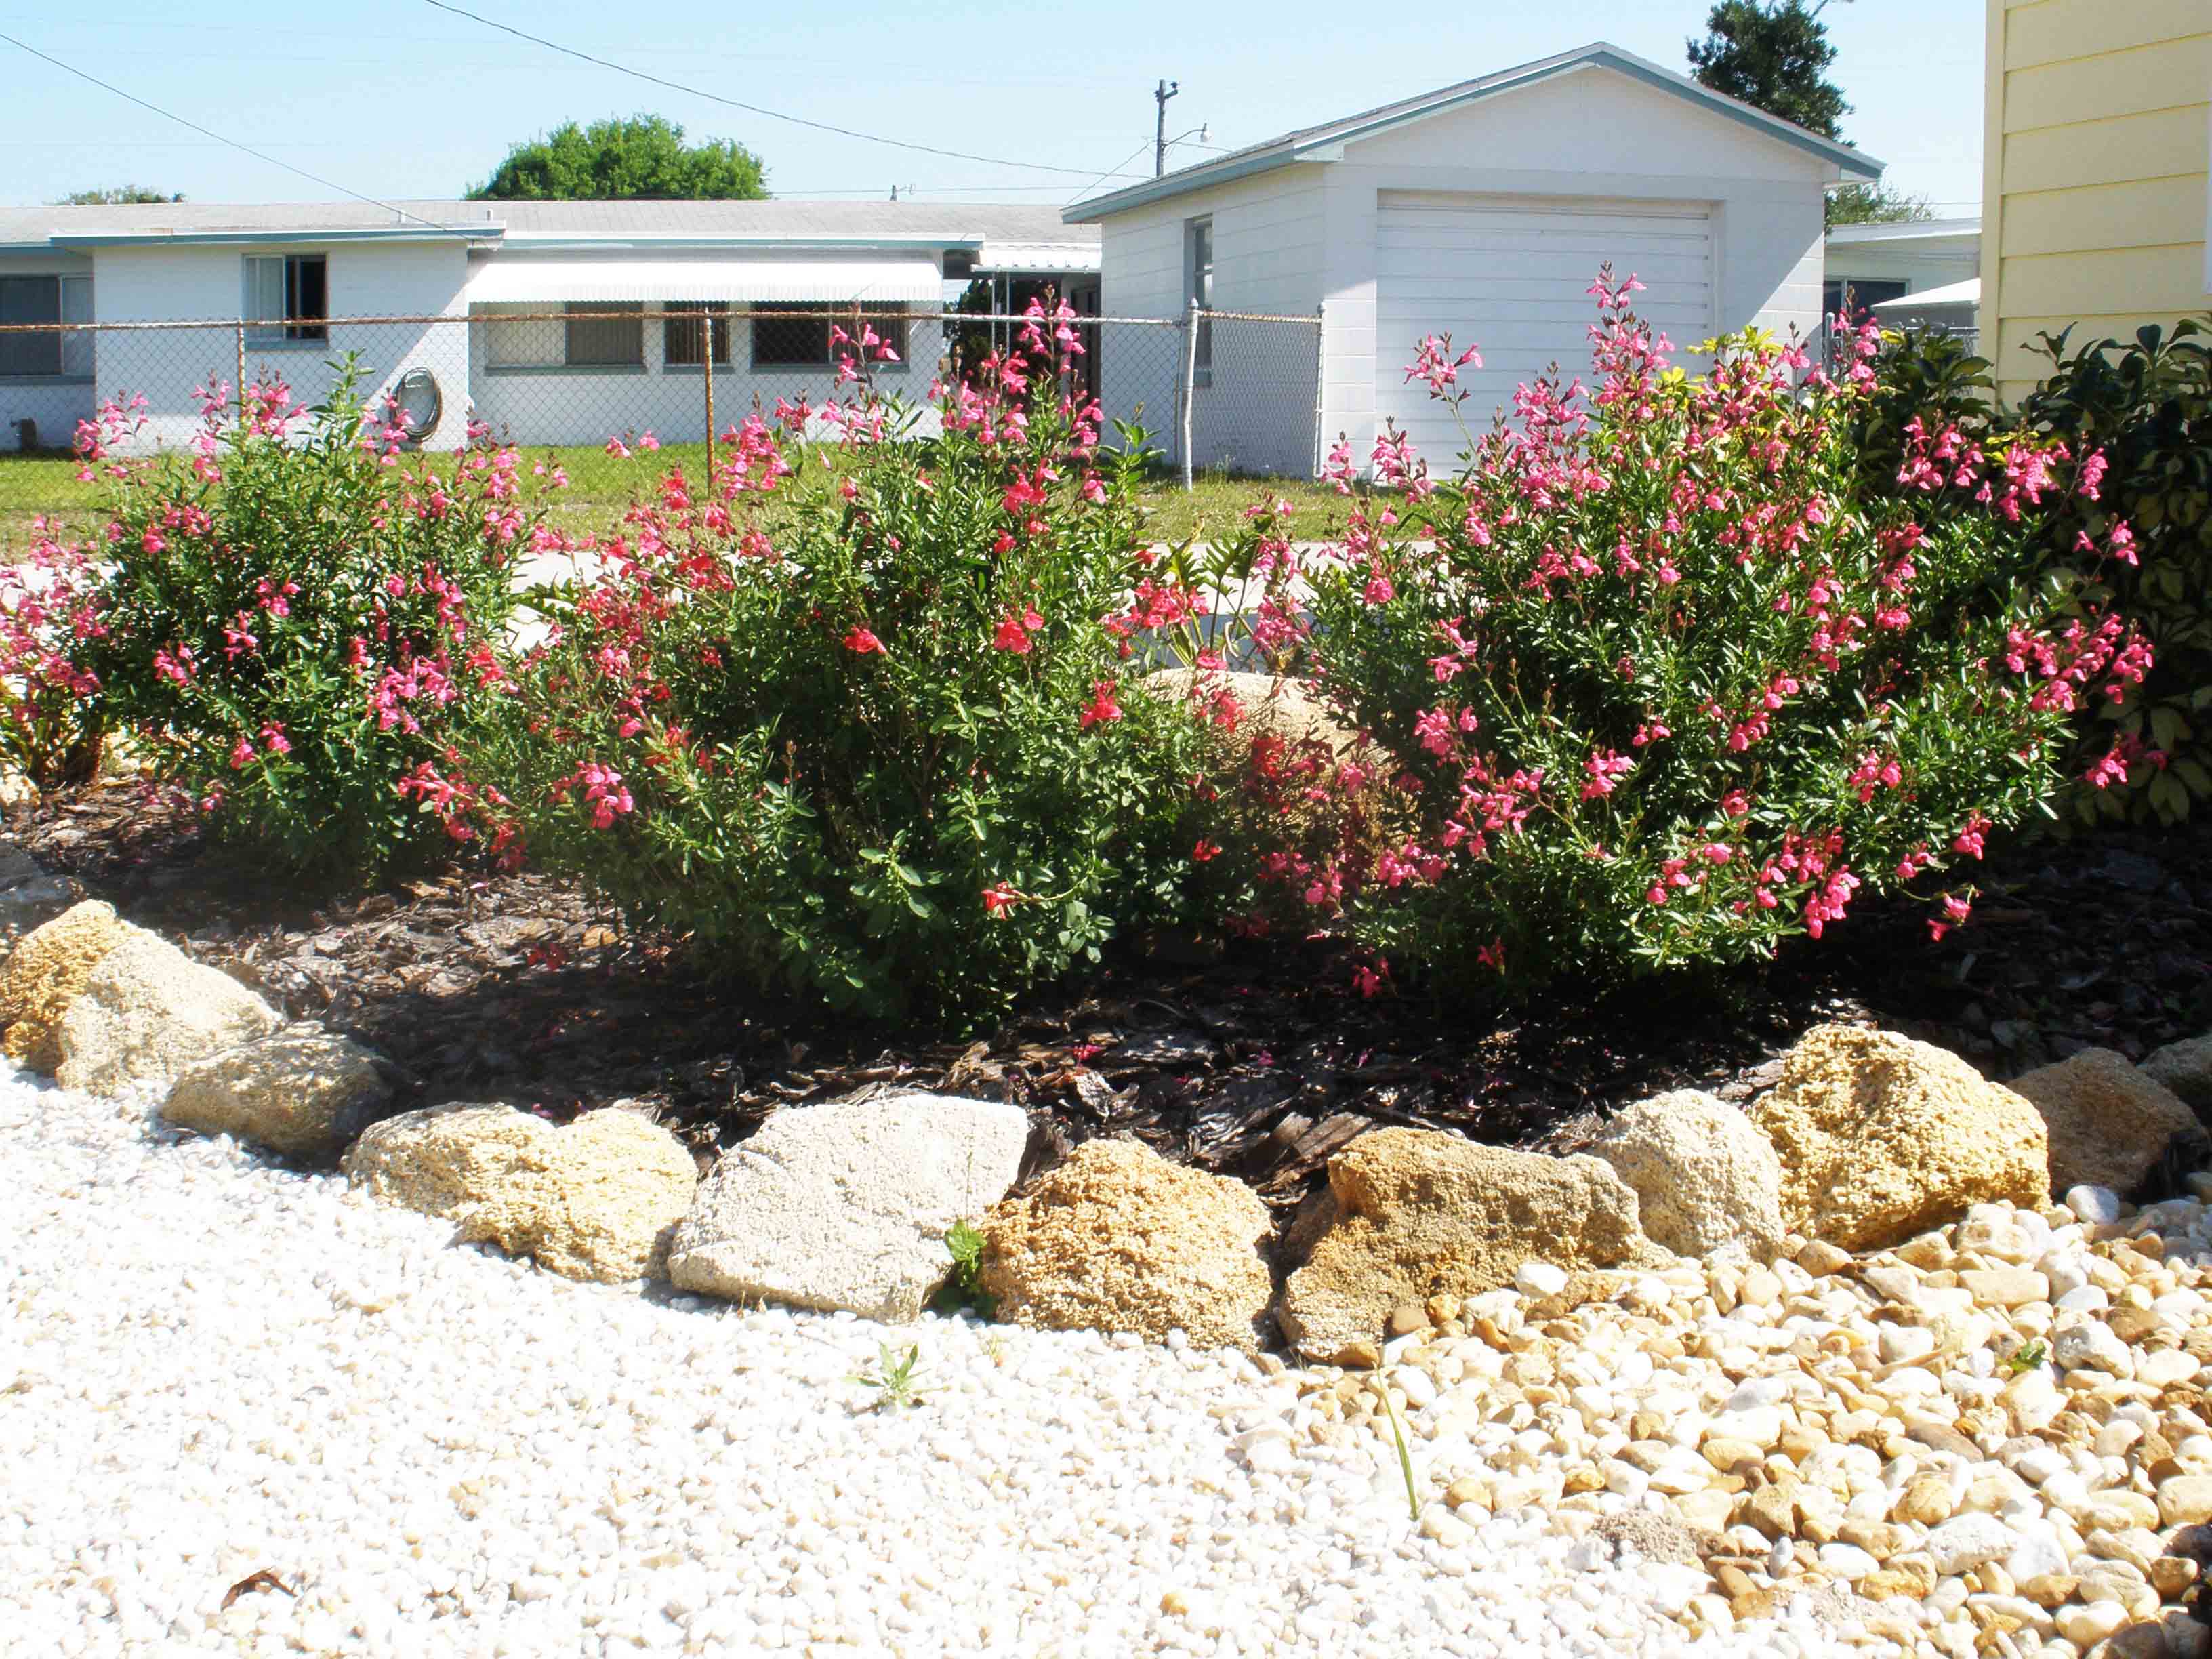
[[847, 1206]]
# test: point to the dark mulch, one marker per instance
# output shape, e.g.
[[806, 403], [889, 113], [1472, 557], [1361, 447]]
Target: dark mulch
[[1256, 1063]]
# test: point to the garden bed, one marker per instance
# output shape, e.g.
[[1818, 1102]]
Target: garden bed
[[1255, 1058]]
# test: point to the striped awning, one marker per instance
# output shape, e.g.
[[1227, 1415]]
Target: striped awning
[[550, 280]]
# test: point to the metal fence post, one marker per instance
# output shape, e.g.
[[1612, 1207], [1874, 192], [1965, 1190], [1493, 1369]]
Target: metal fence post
[[1320, 372], [1189, 383], [241, 371], [710, 397]]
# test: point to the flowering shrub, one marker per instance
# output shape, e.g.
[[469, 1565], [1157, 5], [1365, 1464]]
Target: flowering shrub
[[892, 754], [2141, 416], [297, 614], [2136, 537], [49, 608], [1651, 684]]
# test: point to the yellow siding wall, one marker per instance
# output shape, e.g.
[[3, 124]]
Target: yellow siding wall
[[2094, 193]]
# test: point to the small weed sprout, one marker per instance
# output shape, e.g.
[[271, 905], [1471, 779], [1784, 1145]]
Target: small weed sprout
[[963, 1286], [896, 1378], [2030, 1356], [1405, 1452]]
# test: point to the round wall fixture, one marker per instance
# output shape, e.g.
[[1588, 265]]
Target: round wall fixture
[[420, 403]]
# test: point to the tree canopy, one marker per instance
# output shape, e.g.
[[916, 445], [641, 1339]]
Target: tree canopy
[[1875, 204], [116, 196], [1774, 55], [638, 157]]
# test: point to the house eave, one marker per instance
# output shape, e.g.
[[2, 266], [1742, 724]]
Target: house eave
[[558, 242], [120, 239]]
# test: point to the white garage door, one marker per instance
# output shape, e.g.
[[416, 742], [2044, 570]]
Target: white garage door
[[1511, 273]]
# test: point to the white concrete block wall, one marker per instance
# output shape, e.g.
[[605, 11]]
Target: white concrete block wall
[[1254, 412], [365, 279]]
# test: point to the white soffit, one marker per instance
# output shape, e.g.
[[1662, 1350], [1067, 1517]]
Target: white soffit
[[908, 280]]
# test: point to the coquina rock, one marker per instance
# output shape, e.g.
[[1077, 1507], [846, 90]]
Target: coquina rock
[[1881, 1138], [1278, 706], [598, 1200], [149, 1011], [2109, 1124], [846, 1205], [47, 971], [1119, 1239], [2186, 1068], [305, 1093], [1707, 1181], [1424, 1215]]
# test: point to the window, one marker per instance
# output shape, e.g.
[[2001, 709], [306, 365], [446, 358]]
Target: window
[[795, 334], [683, 338], [1859, 293], [288, 297], [1198, 242], [46, 300], [605, 333]]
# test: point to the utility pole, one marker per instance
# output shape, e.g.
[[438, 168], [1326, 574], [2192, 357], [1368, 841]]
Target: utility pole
[[1161, 93]]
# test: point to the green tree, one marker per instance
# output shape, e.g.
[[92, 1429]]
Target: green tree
[[1875, 204], [1773, 53], [120, 195], [641, 157]]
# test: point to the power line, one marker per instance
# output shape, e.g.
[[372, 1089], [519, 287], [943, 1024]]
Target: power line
[[750, 109], [1112, 172], [166, 115]]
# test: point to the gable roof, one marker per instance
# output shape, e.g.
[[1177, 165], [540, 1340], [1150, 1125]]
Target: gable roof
[[1326, 143]]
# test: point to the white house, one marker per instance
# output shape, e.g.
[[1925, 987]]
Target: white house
[[1925, 272], [549, 339], [1483, 209]]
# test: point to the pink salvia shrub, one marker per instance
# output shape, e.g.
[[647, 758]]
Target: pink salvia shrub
[[883, 748], [297, 616], [1649, 685]]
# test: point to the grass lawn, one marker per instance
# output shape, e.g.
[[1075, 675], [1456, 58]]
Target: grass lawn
[[602, 485]]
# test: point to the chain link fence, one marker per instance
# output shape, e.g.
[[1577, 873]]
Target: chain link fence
[[1213, 392]]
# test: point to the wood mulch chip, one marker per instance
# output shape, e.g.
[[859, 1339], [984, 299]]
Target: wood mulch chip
[[1256, 1060]]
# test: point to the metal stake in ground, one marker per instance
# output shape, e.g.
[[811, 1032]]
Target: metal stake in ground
[[709, 363]]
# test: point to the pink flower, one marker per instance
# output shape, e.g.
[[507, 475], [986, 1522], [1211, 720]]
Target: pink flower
[[273, 739], [1014, 630], [1102, 707], [861, 642], [1000, 897], [1606, 767]]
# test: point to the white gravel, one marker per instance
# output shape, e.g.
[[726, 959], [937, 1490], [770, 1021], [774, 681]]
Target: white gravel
[[210, 1366]]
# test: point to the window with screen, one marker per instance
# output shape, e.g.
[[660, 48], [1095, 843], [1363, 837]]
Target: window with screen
[[1857, 295], [684, 336], [604, 333], [45, 353], [288, 297], [795, 334]]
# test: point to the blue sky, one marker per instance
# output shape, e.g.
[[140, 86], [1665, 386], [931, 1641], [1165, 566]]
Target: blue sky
[[405, 100]]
